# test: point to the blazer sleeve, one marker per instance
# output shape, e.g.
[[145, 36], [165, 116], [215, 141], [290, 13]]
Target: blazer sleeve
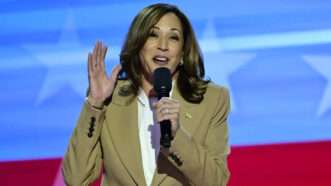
[[83, 160], [205, 164]]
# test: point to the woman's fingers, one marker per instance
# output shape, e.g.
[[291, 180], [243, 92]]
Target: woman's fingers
[[99, 54], [167, 108], [166, 100], [94, 56], [167, 113], [90, 64], [96, 60], [172, 117], [115, 72], [166, 103], [103, 56]]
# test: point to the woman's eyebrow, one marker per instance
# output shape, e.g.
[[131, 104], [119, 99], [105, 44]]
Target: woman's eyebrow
[[172, 29], [176, 29], [156, 27]]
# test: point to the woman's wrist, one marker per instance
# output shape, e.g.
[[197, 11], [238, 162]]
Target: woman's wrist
[[95, 104]]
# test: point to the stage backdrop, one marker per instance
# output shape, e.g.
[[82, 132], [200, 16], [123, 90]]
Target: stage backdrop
[[274, 57]]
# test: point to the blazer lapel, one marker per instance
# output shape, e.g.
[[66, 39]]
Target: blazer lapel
[[124, 133], [189, 119]]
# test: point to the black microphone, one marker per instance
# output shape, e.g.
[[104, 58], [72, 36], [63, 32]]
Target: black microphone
[[162, 86]]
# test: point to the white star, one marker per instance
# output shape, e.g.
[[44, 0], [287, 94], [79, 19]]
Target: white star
[[322, 64], [220, 64], [66, 62]]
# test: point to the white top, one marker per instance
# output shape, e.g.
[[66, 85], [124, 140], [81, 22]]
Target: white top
[[149, 135]]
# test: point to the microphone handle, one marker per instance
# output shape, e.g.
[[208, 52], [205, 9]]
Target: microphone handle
[[165, 127], [166, 136]]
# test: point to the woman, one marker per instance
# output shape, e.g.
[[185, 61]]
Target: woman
[[118, 128]]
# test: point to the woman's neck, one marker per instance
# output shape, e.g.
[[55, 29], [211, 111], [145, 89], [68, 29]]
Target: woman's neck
[[147, 86]]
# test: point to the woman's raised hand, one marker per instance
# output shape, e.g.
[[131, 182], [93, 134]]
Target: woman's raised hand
[[100, 86]]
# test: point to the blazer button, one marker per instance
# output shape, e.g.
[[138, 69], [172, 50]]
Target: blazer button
[[176, 159], [173, 156], [92, 123], [91, 129]]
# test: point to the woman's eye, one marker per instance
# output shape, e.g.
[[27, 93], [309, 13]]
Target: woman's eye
[[152, 34], [175, 38]]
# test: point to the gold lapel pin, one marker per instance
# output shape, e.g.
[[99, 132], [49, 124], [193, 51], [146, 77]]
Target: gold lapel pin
[[188, 115]]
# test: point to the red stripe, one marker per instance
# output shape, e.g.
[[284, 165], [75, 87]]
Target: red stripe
[[303, 164], [31, 172], [34, 172]]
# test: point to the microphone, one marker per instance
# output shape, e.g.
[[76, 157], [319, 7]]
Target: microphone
[[162, 86]]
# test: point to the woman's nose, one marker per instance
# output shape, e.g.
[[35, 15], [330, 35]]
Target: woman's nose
[[163, 44]]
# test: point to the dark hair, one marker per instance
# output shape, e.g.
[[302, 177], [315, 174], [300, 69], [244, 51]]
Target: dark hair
[[190, 80]]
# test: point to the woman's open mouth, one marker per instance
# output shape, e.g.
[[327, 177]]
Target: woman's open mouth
[[161, 60]]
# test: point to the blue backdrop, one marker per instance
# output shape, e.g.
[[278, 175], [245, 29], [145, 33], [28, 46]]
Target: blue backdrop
[[274, 56]]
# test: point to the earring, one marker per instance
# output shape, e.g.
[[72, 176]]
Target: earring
[[181, 63]]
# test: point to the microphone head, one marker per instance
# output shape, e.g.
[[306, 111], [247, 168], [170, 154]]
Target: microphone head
[[162, 80]]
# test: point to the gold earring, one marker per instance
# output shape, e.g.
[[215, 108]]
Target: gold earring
[[181, 62]]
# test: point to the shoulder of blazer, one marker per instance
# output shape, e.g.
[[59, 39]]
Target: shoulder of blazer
[[216, 91], [118, 98]]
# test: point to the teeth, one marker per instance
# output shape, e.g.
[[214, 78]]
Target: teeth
[[160, 58]]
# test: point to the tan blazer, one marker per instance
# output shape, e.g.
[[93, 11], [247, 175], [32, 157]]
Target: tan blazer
[[109, 139]]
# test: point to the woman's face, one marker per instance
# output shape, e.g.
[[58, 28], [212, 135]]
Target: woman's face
[[163, 47]]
